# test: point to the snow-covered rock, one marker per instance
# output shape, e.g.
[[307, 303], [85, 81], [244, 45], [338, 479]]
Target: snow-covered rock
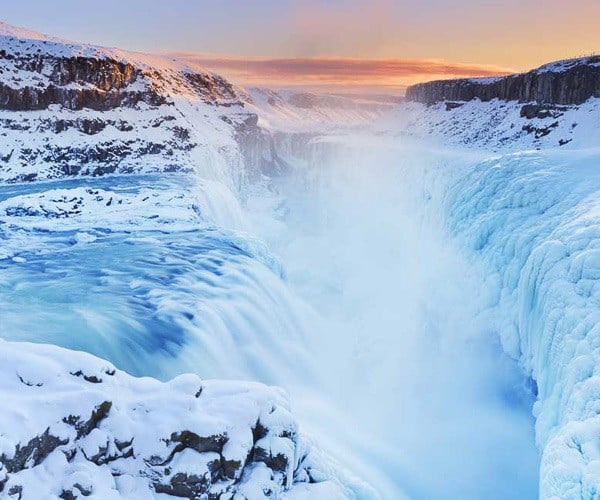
[[73, 426]]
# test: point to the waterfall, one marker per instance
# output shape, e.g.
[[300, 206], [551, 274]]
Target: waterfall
[[338, 282]]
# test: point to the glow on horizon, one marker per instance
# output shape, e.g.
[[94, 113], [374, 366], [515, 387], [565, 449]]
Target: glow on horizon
[[329, 73]]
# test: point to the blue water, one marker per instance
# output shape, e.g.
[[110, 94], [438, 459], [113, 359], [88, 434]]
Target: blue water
[[155, 301]]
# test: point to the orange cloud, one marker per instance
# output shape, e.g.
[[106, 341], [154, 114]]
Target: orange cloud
[[384, 74]]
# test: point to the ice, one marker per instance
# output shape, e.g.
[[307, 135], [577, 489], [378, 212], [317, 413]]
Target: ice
[[532, 219], [407, 351]]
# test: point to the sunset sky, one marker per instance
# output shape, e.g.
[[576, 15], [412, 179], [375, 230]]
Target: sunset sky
[[342, 44]]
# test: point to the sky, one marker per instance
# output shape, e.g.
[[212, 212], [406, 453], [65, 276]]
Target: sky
[[384, 44]]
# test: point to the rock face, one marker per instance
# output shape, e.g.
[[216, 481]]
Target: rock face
[[565, 82], [102, 433], [72, 82]]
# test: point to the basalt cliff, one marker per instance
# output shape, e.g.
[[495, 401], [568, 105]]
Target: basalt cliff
[[568, 82]]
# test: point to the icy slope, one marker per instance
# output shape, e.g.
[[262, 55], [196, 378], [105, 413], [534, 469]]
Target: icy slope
[[73, 426], [533, 219]]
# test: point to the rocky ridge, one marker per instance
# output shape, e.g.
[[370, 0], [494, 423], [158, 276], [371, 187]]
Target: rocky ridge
[[568, 82]]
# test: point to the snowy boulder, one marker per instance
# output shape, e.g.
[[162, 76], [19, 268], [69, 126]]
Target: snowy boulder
[[73, 426]]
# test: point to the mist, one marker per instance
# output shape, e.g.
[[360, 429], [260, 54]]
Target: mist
[[415, 384]]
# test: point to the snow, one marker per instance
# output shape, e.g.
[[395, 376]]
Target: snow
[[18, 32], [559, 66], [129, 452], [128, 131], [495, 126], [25, 42]]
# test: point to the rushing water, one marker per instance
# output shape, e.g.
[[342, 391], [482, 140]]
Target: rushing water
[[155, 300], [377, 329]]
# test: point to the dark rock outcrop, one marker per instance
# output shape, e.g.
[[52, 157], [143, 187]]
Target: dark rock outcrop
[[259, 149], [566, 82], [31, 454], [541, 111], [74, 83]]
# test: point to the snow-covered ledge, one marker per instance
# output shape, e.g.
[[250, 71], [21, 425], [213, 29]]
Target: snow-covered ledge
[[72, 426]]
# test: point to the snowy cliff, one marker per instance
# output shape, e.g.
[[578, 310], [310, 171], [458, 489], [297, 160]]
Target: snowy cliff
[[69, 109], [557, 104]]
